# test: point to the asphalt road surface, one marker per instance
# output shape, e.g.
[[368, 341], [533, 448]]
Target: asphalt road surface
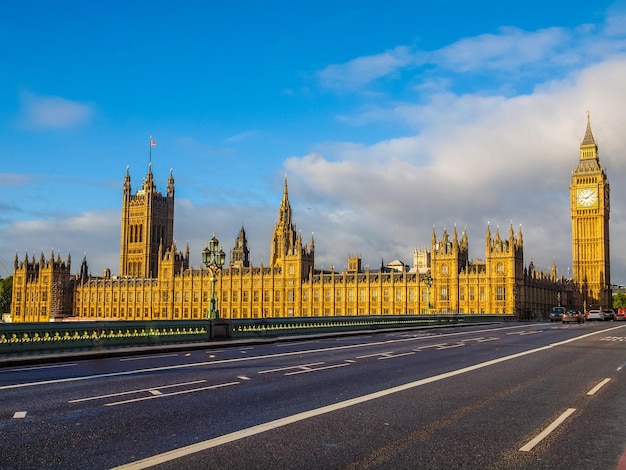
[[509, 396]]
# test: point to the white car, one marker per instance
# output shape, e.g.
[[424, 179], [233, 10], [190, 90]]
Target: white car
[[595, 315]]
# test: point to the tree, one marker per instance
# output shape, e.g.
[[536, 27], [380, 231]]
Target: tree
[[6, 288], [619, 300]]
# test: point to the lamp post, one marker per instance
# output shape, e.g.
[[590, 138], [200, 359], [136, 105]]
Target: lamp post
[[213, 258], [428, 281]]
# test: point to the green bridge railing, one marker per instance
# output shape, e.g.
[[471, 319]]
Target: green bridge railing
[[42, 338]]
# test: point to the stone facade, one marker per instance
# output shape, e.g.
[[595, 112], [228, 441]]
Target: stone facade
[[156, 281], [590, 209]]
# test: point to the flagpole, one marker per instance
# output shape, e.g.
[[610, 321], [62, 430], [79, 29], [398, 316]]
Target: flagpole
[[150, 145]]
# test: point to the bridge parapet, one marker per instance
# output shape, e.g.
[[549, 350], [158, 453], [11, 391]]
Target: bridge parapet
[[42, 338]]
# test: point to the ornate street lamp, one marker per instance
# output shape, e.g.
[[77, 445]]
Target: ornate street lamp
[[213, 260], [428, 282]]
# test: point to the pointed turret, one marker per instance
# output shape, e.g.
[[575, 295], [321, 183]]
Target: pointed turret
[[284, 237], [170, 184], [286, 245], [589, 160], [588, 139], [127, 186], [240, 255]]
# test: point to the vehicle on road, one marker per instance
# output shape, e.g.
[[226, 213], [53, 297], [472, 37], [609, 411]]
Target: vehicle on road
[[609, 314], [595, 314], [572, 316], [556, 313], [621, 314]]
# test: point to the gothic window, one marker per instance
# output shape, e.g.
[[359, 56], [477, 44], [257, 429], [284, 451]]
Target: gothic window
[[444, 293], [500, 268], [500, 291], [444, 269]]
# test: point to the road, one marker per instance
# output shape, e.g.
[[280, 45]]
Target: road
[[509, 396]]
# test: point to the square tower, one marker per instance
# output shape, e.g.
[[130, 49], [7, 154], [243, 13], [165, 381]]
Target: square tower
[[589, 206], [147, 225]]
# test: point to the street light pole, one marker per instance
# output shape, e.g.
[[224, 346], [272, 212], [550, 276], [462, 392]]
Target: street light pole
[[428, 281], [213, 257]]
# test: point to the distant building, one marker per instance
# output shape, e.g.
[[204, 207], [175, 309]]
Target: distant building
[[156, 281]]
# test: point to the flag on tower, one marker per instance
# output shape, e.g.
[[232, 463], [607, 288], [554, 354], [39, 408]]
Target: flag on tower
[[152, 143]]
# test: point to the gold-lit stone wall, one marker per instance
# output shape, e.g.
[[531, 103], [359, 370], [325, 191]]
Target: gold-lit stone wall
[[590, 210], [156, 281]]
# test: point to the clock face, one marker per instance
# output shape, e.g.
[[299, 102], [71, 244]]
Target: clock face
[[587, 197]]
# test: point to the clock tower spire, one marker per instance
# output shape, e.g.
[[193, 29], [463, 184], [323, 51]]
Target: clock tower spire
[[589, 207]]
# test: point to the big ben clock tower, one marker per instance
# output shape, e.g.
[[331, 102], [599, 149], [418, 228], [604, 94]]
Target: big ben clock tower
[[589, 205]]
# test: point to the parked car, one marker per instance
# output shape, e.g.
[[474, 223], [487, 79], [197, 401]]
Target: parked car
[[572, 316], [621, 314], [595, 314], [609, 314], [556, 313]]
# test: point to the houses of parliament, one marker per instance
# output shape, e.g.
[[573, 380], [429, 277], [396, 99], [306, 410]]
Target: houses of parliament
[[156, 282]]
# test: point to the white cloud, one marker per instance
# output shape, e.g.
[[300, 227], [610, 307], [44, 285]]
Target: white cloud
[[509, 50], [52, 112], [479, 159], [363, 70], [16, 180]]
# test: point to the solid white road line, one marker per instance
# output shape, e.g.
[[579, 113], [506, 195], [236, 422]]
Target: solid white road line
[[19, 414], [243, 433], [163, 395], [138, 390], [281, 369], [304, 371], [542, 435], [141, 358], [226, 361], [598, 387], [24, 369], [392, 356]]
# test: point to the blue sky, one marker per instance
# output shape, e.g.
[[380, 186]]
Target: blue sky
[[388, 118]]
